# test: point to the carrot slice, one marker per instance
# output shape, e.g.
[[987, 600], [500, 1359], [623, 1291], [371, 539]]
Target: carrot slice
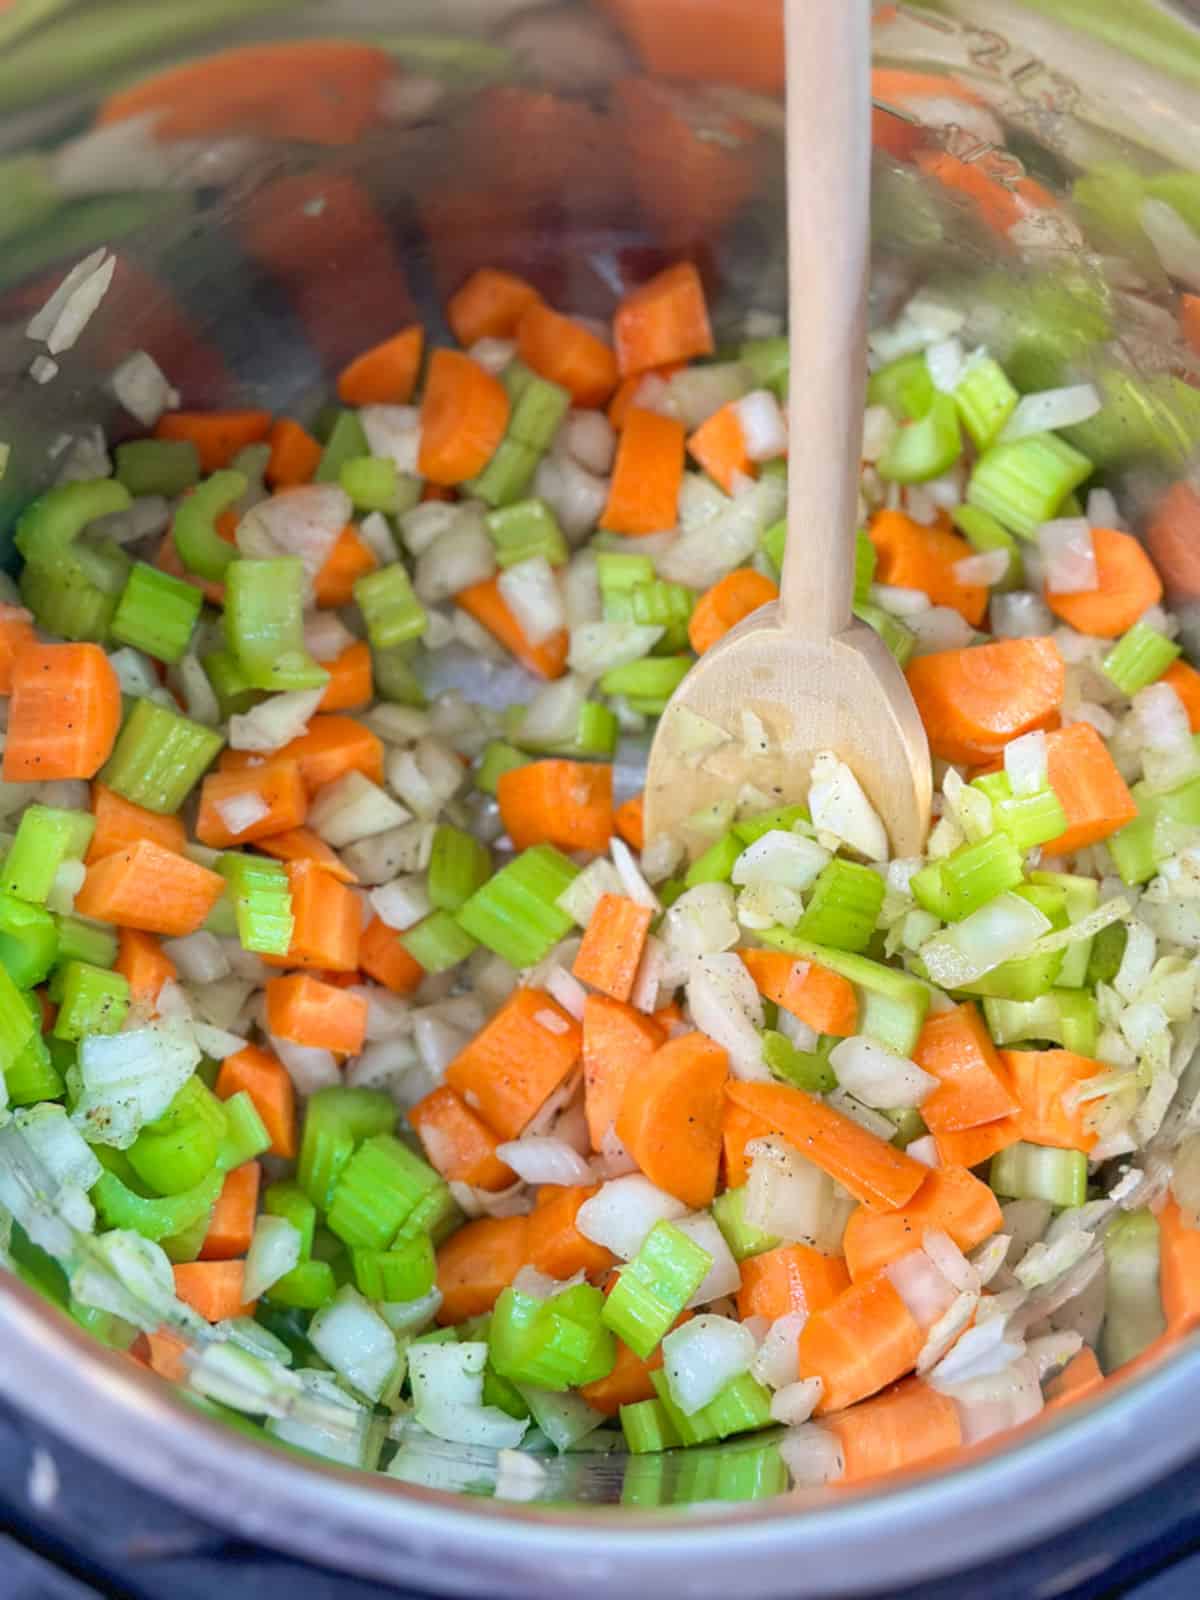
[[143, 964], [295, 455], [385, 375], [217, 435], [16, 631], [232, 1225], [1000, 201], [265, 1079], [167, 1355], [912, 556], [63, 713], [738, 1127], [957, 1049], [1173, 540], [663, 323], [626, 392], [1179, 1268], [910, 1425], [729, 601], [119, 823], [1128, 585], [301, 844], [612, 945], [971, 1147], [351, 684], [864, 1340], [823, 999], [384, 958], [719, 446], [458, 1143], [272, 795], [487, 605], [1041, 1080], [973, 701], [643, 494], [951, 1199], [516, 1060], [567, 354], [464, 413], [477, 1263], [1080, 1379], [489, 305], [629, 820], [564, 803], [350, 559], [326, 922], [307, 1011], [556, 1246], [214, 1289], [1185, 681], [617, 1042], [629, 1380], [1093, 793], [332, 747], [670, 1117], [1189, 319], [150, 888], [792, 1277]]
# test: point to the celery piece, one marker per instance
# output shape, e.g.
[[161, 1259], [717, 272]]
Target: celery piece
[[64, 601], [46, 837], [245, 1134], [289, 1201], [1082, 898], [435, 1213], [157, 466], [235, 694], [264, 624], [156, 1218], [1034, 1172], [924, 449], [900, 640], [174, 1155], [662, 605], [375, 1190], [31, 1075], [985, 400], [106, 1328], [909, 1124], [187, 1244], [524, 529], [507, 476], [748, 1470], [769, 360], [516, 913], [743, 1405], [28, 941], [1023, 484], [652, 678], [647, 1429], [458, 865], [347, 441], [654, 1287], [391, 610], [335, 1120], [783, 819], [865, 561], [159, 757], [729, 1213], [983, 533], [622, 574], [497, 759], [1108, 951], [716, 864], [262, 902], [1139, 658], [156, 613], [197, 543], [17, 1023], [516, 377], [1027, 977], [308, 1286], [91, 1000], [47, 530], [595, 733], [1065, 1017], [803, 1069], [438, 942], [394, 677], [371, 482], [772, 544], [974, 874], [405, 1274], [904, 387], [538, 408], [1154, 417], [80, 940], [891, 1004], [843, 906], [1133, 1309], [554, 1344]]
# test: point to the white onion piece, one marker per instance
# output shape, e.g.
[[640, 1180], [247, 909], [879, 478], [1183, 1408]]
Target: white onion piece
[[939, 628], [463, 555], [438, 1043], [543, 1160], [240, 812], [1020, 615], [326, 636], [623, 1212], [725, 1004], [702, 1356], [1025, 762], [921, 1286], [724, 1276], [796, 1402], [1003, 928], [985, 1349], [812, 1455], [493, 355], [140, 385], [878, 1076], [1051, 409], [630, 874], [986, 568], [305, 522], [589, 438], [764, 427], [599, 647], [576, 497], [838, 806], [788, 859], [402, 903], [702, 921], [945, 1332], [566, 988], [924, 1150], [950, 1261], [275, 722], [76, 309], [1176, 244], [447, 1384], [309, 1067], [778, 1360], [1052, 1351], [274, 1250], [352, 808], [199, 957], [788, 1196], [1069, 556], [997, 1402], [394, 433]]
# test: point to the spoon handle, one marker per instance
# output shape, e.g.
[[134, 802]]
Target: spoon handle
[[828, 189]]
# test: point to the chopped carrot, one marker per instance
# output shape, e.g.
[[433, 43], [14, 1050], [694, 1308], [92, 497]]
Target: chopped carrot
[[719, 446], [1189, 319], [971, 1147], [232, 1224], [350, 685], [217, 435], [489, 305], [1173, 540], [670, 1017], [1001, 201], [464, 413], [1185, 681], [16, 631], [566, 353], [120, 823], [912, 556], [730, 601], [326, 922], [670, 1117], [149, 888], [556, 1246], [612, 945], [957, 1049], [895, 134], [1178, 1268], [706, 41], [385, 375], [823, 999], [487, 605], [272, 795], [629, 1380], [629, 820], [1080, 1379], [167, 1355], [565, 803], [626, 392], [214, 1289], [307, 1011], [663, 323], [792, 1277], [950, 1199], [1042, 1081], [643, 495], [332, 747], [1093, 793], [876, 1173], [973, 701], [295, 455], [617, 1042], [265, 1079], [458, 1143], [1128, 585], [910, 1425], [63, 714], [143, 964], [738, 1127], [864, 1340], [477, 1263], [301, 844], [516, 1060], [384, 958], [350, 559]]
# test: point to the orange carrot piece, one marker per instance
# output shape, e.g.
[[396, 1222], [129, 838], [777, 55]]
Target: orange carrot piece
[[217, 435], [119, 823], [738, 1127], [1128, 585], [265, 1079], [973, 701], [567, 354], [670, 1117], [957, 1049], [564, 803], [385, 375], [278, 789], [384, 958], [16, 631], [629, 820], [612, 945], [864, 1340], [1093, 793], [1189, 319], [643, 495], [876, 1173], [487, 605], [308, 1011], [555, 1245], [214, 1289], [1040, 1080], [1178, 1268], [792, 1277], [143, 964], [1173, 540], [910, 1425], [458, 1143], [733, 598], [719, 446], [351, 684], [1000, 201], [333, 746], [63, 713], [295, 455], [464, 413], [626, 392], [516, 1060], [1185, 681], [971, 1147], [617, 1042], [629, 1380], [951, 1199], [167, 1355], [1080, 1379], [823, 999], [301, 844], [477, 1263], [350, 559], [326, 922], [150, 888], [232, 1225], [912, 556], [489, 305]]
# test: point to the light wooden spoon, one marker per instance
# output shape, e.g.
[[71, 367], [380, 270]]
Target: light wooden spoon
[[813, 677]]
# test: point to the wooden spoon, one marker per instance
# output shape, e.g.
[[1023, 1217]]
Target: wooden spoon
[[813, 677]]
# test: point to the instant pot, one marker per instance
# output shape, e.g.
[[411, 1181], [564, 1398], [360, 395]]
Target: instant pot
[[583, 145]]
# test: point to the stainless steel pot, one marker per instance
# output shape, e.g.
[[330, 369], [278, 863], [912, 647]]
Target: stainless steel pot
[[251, 266]]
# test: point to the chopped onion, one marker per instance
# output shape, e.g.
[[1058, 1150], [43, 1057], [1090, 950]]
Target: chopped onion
[[305, 522], [1020, 615], [812, 1455], [309, 1067], [724, 1276], [986, 568], [402, 903], [697, 392], [764, 427], [946, 1331], [945, 361], [531, 592], [950, 1261], [790, 860], [726, 1005], [463, 555], [599, 647], [1051, 409], [1000, 930], [1025, 763], [778, 1360], [1069, 556], [922, 1287], [493, 355], [566, 988], [589, 437], [704, 554], [274, 1250], [898, 602], [796, 1402], [702, 1356], [438, 1042], [379, 859], [924, 1150], [129, 1079], [240, 812], [275, 722], [375, 532], [426, 777], [353, 808], [1176, 244], [790, 1197], [199, 957], [326, 636], [878, 1076], [623, 1212], [702, 921], [428, 522], [630, 874], [581, 897], [552, 715], [996, 1402], [576, 497], [540, 1160], [939, 628], [393, 432], [447, 1386], [79, 306], [357, 1343], [838, 806], [140, 385]]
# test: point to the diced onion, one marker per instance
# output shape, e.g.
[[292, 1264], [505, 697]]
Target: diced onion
[[778, 1360], [447, 1385], [764, 427], [878, 1076], [589, 438], [544, 1160], [552, 715], [599, 647], [402, 903], [724, 1276], [922, 1287], [309, 1067], [1025, 763], [352, 808], [986, 568], [939, 628], [945, 361], [461, 556], [576, 496], [393, 432], [702, 921], [1176, 244], [274, 1250], [140, 385], [1051, 409], [702, 1356], [838, 805], [275, 722], [240, 812], [630, 874], [726, 1005], [1003, 928], [199, 957], [623, 1212], [305, 522], [788, 859], [997, 1402], [812, 1455], [796, 1402], [1020, 615], [790, 1197], [1069, 556]]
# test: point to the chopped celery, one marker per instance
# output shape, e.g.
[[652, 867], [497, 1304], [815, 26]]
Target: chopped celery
[[394, 676], [46, 837], [865, 562], [404, 1274], [48, 530], [65, 600], [647, 1429], [525, 529], [728, 1210], [1133, 1310], [90, 1000], [347, 441], [891, 1004], [538, 407], [1023, 484], [595, 733], [31, 1074], [654, 1287], [662, 605], [372, 482], [984, 533], [783, 819], [622, 574], [1082, 898], [1026, 977], [748, 1470], [926, 448], [157, 466], [458, 865], [743, 1405], [438, 942], [235, 694], [1034, 1172], [307, 1287], [175, 1154], [516, 913], [773, 542], [390, 609], [554, 1344], [289, 1201], [716, 863], [28, 941], [1066, 1017], [1027, 819], [335, 1120], [769, 360], [1108, 950], [262, 902], [985, 400], [79, 940], [900, 640], [974, 874], [654, 678], [497, 759], [843, 906], [1139, 658], [157, 1218], [904, 387], [803, 1069], [159, 757], [194, 529], [375, 1191], [264, 624], [245, 1134], [156, 613], [507, 475]]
